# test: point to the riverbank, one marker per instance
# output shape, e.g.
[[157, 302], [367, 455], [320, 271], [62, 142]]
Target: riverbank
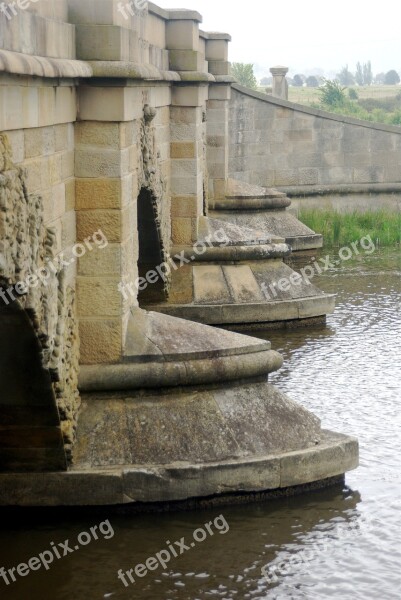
[[383, 226]]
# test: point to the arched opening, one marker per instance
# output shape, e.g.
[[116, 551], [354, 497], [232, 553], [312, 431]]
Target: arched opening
[[30, 431], [150, 257]]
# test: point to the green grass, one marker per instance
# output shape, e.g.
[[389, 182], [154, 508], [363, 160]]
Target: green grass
[[384, 227], [351, 108], [305, 95], [378, 104]]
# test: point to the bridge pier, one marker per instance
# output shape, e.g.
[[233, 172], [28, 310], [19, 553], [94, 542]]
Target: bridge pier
[[142, 406]]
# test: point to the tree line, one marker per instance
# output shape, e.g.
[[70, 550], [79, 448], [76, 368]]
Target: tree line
[[362, 76]]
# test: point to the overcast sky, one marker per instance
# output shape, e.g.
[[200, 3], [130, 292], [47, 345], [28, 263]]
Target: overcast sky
[[305, 35]]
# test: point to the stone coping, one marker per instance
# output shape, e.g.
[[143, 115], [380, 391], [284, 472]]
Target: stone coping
[[40, 66], [238, 236], [244, 203], [158, 11], [174, 14], [130, 70], [161, 351], [315, 112], [184, 14], [152, 336], [25, 64], [215, 35], [235, 188], [196, 76], [333, 456], [236, 252], [352, 188], [258, 312], [177, 373]]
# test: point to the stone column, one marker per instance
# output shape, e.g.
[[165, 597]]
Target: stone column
[[218, 113], [106, 194], [187, 118], [217, 139], [280, 85]]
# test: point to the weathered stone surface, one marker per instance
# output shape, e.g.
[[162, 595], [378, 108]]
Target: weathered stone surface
[[319, 147], [50, 332], [130, 484], [140, 161], [193, 427]]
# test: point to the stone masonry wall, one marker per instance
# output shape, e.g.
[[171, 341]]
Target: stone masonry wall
[[97, 104], [27, 245], [274, 142]]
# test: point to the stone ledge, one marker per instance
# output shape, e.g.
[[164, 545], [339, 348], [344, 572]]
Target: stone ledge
[[243, 203], [215, 35], [266, 312], [184, 14], [353, 188], [335, 455], [237, 252], [135, 375], [25, 64], [305, 242], [130, 70], [194, 76]]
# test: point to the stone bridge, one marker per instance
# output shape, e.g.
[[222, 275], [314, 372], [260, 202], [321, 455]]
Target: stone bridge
[[136, 210]]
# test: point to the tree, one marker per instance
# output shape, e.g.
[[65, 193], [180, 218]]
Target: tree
[[364, 75], [367, 73], [359, 74], [243, 73], [345, 77], [266, 81], [392, 78], [312, 81], [380, 77], [298, 80]]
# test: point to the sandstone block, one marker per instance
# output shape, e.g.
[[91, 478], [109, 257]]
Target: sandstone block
[[182, 35], [183, 149], [100, 340], [98, 297], [184, 231], [101, 162]]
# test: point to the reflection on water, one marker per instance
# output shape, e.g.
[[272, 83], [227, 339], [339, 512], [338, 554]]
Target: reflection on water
[[335, 543]]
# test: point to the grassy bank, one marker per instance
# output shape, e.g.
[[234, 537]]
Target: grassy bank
[[379, 104], [384, 227]]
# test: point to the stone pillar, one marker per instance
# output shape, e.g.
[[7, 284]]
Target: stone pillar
[[217, 138], [218, 113], [187, 117], [280, 85], [106, 196]]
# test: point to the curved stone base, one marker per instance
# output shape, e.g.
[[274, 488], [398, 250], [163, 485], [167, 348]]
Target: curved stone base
[[269, 315], [335, 455], [241, 281], [264, 211], [278, 223]]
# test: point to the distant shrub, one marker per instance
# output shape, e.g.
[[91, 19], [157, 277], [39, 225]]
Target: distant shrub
[[332, 94], [352, 94]]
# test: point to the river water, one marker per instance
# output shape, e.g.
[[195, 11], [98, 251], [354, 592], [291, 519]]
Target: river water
[[342, 542]]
